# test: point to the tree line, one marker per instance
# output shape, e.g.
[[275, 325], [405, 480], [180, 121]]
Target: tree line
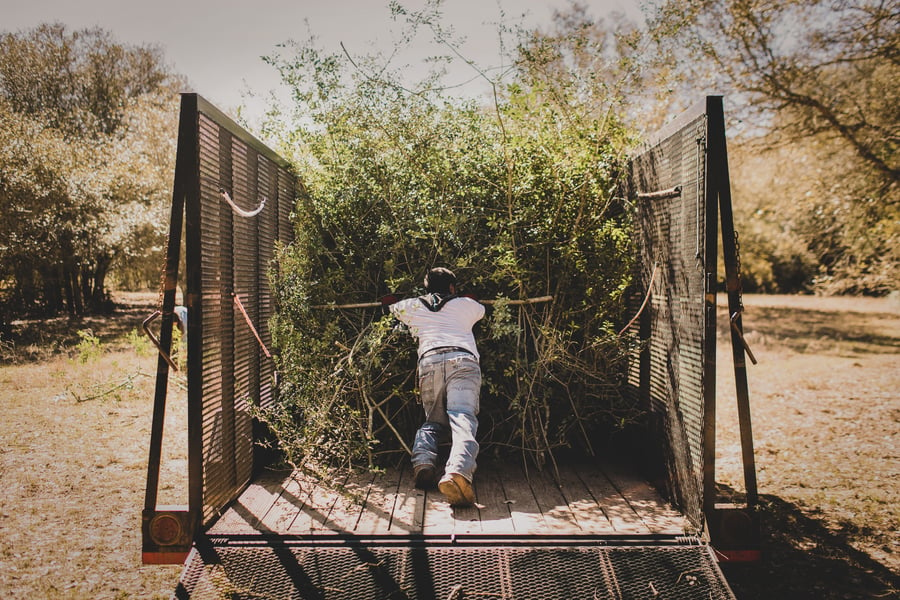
[[816, 170], [86, 157], [88, 133]]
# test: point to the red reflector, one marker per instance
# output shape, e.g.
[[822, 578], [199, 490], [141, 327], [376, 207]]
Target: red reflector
[[732, 556], [164, 558], [165, 529]]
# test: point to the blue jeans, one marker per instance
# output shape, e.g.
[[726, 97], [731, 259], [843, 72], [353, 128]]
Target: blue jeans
[[449, 388]]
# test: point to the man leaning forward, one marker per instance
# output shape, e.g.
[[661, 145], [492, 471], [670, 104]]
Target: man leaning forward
[[449, 377]]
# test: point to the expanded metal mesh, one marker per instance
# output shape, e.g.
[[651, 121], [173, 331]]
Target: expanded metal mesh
[[228, 255], [676, 235], [513, 573]]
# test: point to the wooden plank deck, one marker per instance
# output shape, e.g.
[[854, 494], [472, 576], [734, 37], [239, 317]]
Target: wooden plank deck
[[586, 500]]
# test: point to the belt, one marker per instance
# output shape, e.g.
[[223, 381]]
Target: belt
[[445, 350]]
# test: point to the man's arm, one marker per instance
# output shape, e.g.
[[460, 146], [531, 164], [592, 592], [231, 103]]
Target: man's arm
[[474, 309], [403, 310]]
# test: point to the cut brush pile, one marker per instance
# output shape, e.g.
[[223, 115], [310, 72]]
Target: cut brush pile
[[518, 200]]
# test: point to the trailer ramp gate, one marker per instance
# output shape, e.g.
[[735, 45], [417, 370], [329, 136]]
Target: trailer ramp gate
[[527, 568], [679, 184]]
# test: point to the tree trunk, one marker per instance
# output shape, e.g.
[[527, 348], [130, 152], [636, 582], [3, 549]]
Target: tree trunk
[[84, 278], [53, 288], [76, 303], [25, 290], [97, 301]]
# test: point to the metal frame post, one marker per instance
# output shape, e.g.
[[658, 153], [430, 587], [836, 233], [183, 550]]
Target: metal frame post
[[167, 532]]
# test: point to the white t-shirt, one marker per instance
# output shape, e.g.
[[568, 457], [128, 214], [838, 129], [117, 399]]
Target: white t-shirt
[[450, 326]]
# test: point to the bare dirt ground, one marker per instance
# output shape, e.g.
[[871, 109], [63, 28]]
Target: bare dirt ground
[[74, 442], [825, 402]]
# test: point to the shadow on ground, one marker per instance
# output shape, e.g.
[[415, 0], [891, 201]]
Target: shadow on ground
[[803, 558], [819, 331], [30, 340]]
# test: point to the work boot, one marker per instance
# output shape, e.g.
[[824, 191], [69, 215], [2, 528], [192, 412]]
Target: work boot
[[425, 476], [457, 489]]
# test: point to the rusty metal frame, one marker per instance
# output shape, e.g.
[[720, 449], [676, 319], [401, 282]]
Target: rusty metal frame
[[180, 522], [722, 187], [168, 532], [658, 179]]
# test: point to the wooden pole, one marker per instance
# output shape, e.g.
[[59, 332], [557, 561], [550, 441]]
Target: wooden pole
[[537, 300]]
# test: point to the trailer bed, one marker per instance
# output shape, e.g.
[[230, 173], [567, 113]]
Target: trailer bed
[[585, 499], [595, 531], [588, 530]]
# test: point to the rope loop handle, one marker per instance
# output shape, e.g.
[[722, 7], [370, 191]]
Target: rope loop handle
[[644, 303], [240, 211]]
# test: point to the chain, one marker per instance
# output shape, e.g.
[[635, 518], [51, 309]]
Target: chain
[[162, 274], [737, 261], [701, 182], [740, 298]]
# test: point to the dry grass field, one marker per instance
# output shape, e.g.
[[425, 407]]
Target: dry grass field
[[825, 403], [826, 417], [74, 443]]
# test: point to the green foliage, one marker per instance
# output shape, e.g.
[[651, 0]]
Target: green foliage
[[179, 349], [80, 83], [814, 82], [809, 222], [88, 347], [140, 344], [517, 198], [86, 155]]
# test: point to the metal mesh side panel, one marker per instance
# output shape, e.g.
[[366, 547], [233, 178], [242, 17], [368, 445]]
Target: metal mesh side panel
[[371, 572], [246, 285], [669, 373], [218, 319], [234, 254]]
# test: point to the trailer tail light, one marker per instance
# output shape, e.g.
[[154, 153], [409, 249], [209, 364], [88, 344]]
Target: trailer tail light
[[734, 532], [167, 535]]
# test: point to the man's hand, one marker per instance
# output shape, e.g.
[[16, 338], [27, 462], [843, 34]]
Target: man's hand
[[389, 299]]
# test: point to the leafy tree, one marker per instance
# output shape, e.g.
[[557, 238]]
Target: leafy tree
[[818, 79], [774, 255], [36, 203], [602, 67], [81, 83], [517, 196], [86, 159], [810, 222], [825, 66]]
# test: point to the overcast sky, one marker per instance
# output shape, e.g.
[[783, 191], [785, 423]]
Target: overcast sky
[[217, 45]]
